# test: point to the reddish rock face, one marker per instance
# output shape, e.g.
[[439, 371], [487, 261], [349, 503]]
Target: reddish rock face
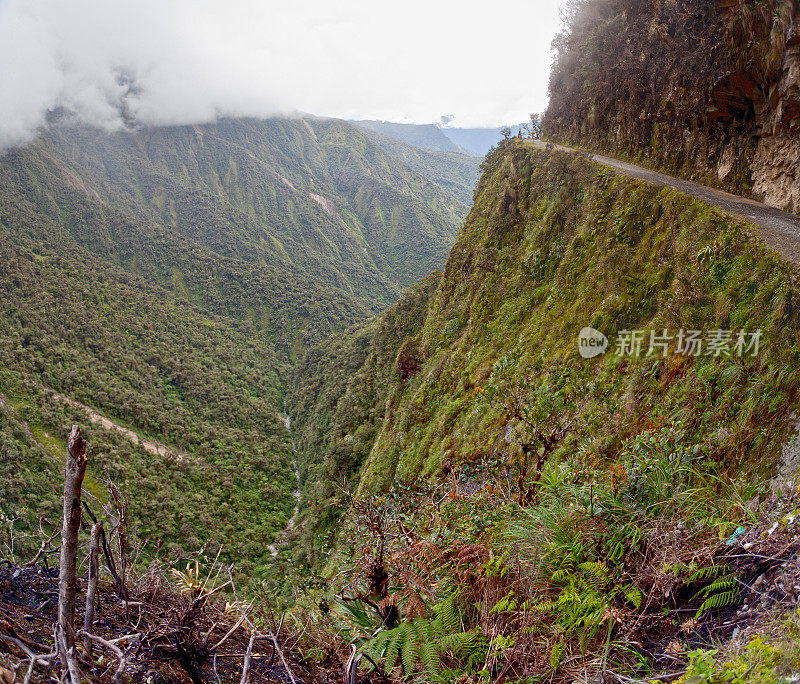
[[776, 163], [733, 99]]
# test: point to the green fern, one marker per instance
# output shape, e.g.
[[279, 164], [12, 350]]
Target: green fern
[[718, 585], [598, 572], [722, 592], [721, 600], [707, 573], [419, 644], [634, 597]]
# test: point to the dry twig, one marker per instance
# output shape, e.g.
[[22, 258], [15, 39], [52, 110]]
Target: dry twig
[[117, 678], [91, 589], [257, 635]]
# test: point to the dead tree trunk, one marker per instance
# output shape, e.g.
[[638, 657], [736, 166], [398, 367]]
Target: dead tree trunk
[[73, 480], [91, 589]]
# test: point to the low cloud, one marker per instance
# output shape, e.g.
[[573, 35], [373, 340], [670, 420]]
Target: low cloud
[[110, 63]]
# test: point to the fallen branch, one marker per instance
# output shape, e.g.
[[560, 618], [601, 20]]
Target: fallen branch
[[230, 631], [33, 657], [123, 663], [216, 674], [135, 635]]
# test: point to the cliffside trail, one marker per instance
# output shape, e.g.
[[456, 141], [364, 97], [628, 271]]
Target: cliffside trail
[[779, 229]]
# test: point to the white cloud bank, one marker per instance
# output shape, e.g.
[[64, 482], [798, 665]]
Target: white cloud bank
[[185, 61]]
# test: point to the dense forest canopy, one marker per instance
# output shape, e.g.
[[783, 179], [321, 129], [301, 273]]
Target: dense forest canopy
[[168, 278]]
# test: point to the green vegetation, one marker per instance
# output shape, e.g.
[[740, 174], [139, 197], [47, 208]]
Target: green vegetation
[[168, 370], [554, 244], [168, 278], [768, 657], [255, 219], [576, 507], [424, 136], [482, 503], [456, 173], [689, 99]]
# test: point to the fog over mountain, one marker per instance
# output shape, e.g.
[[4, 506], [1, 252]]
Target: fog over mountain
[[111, 63]]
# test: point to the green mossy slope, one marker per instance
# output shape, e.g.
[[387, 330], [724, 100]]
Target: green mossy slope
[[554, 243]]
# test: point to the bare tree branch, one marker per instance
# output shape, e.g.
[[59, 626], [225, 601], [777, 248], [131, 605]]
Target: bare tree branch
[[256, 634], [34, 658], [117, 678], [91, 589], [74, 470]]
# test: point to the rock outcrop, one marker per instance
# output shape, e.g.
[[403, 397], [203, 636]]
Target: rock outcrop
[[776, 164], [708, 90]]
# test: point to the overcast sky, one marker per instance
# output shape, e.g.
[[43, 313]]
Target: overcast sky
[[486, 63]]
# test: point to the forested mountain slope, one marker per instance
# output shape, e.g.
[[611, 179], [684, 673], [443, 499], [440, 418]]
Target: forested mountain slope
[[551, 245], [425, 136], [465, 425], [307, 198], [169, 370], [167, 278], [456, 173]]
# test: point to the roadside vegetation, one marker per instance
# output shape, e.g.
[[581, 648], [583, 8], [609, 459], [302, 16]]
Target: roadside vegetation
[[493, 507]]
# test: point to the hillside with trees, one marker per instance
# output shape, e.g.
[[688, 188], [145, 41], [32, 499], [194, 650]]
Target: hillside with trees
[[167, 279], [349, 416], [460, 447]]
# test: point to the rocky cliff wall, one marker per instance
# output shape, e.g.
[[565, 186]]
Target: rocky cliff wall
[[708, 90], [776, 163]]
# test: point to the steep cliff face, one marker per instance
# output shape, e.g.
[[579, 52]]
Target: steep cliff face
[[554, 244], [776, 162], [708, 90], [461, 450]]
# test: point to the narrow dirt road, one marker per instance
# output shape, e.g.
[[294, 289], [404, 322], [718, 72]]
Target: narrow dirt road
[[149, 445], [779, 229]]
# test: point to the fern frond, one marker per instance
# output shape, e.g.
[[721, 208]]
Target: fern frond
[[410, 646], [597, 571], [634, 597], [395, 639], [560, 576], [447, 615], [543, 607], [718, 585], [722, 600], [703, 574]]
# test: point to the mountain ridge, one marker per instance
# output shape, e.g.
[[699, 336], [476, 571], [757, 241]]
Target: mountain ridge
[[168, 278]]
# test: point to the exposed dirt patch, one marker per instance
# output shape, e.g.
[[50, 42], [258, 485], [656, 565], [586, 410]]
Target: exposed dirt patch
[[151, 446]]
